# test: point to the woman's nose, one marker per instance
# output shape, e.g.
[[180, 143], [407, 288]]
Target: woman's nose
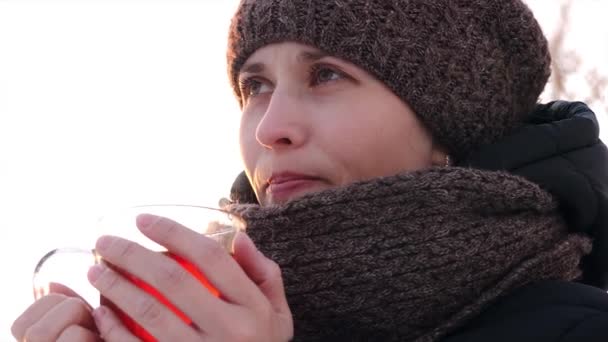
[[283, 124]]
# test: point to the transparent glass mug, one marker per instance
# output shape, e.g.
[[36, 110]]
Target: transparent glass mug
[[67, 267]]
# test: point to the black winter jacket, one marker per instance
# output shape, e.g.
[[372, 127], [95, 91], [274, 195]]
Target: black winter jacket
[[559, 149], [544, 312]]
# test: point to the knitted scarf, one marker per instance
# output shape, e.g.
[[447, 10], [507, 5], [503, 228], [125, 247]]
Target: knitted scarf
[[411, 257]]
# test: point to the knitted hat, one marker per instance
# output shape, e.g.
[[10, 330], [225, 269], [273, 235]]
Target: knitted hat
[[470, 69]]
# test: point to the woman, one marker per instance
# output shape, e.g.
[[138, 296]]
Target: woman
[[401, 177]]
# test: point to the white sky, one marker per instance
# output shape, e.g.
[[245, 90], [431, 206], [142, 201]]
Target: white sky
[[108, 104]]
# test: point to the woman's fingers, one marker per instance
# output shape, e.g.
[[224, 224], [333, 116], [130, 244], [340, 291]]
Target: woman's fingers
[[207, 255], [250, 294], [33, 314], [62, 289], [59, 288], [153, 316], [165, 275], [110, 328], [48, 317], [76, 333], [264, 272], [71, 311]]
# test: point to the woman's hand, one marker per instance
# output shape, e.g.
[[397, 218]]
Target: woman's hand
[[60, 316], [252, 305]]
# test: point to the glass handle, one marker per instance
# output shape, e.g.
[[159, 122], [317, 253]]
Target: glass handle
[[44, 274]]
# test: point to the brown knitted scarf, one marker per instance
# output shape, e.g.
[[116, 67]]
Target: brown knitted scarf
[[413, 256]]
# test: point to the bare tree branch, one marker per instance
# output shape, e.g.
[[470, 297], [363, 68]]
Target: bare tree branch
[[567, 64]]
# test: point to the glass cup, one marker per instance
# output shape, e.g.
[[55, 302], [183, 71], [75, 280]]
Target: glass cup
[[68, 266]]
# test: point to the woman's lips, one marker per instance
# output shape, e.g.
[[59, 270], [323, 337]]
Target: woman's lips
[[281, 189]]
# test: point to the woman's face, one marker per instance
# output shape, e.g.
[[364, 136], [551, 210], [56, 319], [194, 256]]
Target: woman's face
[[312, 122]]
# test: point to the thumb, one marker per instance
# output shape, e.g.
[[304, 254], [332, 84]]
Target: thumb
[[265, 273]]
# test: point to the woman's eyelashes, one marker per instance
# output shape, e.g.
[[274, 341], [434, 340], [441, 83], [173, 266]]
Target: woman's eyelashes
[[253, 86], [321, 74], [318, 75]]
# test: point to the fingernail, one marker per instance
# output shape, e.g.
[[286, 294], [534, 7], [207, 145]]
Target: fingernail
[[99, 312], [104, 242], [145, 221], [94, 272]]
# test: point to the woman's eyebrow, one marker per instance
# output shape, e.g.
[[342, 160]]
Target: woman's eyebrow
[[311, 56], [252, 68], [303, 57]]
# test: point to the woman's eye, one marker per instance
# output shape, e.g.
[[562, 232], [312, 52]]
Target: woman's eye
[[253, 87], [324, 74]]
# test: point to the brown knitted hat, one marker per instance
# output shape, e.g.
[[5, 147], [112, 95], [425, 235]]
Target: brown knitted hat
[[470, 69]]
